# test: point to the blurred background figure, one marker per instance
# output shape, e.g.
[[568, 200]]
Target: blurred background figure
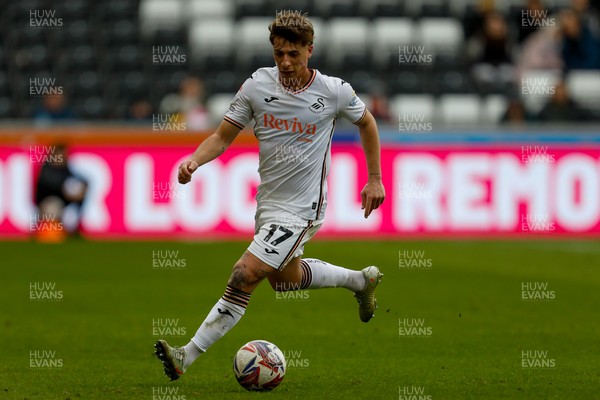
[[491, 51], [540, 51], [587, 15], [53, 108], [188, 103], [561, 108], [378, 103], [59, 196], [140, 111], [534, 12], [516, 114], [580, 48]]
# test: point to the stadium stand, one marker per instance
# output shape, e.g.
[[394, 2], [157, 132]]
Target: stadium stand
[[102, 53]]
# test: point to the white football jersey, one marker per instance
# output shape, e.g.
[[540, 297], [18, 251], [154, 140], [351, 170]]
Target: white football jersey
[[294, 131]]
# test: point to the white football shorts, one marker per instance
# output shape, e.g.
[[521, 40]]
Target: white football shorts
[[280, 236]]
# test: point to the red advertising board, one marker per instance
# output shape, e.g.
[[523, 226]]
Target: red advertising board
[[431, 190]]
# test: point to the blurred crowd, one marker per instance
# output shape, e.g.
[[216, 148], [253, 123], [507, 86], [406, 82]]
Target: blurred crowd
[[502, 48]]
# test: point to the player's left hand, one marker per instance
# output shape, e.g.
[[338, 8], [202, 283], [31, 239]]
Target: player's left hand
[[372, 196]]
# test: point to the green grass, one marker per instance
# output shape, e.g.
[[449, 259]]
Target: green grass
[[471, 299]]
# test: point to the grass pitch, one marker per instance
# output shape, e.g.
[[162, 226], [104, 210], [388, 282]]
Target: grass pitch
[[458, 326]]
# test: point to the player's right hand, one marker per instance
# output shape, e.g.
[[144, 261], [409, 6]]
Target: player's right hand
[[186, 169]]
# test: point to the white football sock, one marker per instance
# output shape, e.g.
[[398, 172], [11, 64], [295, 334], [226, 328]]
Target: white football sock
[[223, 316], [320, 274], [191, 353]]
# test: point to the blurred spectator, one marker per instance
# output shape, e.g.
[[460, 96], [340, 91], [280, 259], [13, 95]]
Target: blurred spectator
[[60, 192], [541, 50], [474, 19], [580, 49], [53, 108], [533, 14], [188, 103], [379, 107], [516, 113], [588, 16], [561, 108], [490, 51], [140, 111], [378, 103]]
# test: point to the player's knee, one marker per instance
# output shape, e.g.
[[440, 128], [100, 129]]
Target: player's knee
[[277, 285]]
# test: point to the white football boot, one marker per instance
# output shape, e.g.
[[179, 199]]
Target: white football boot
[[172, 359], [367, 303]]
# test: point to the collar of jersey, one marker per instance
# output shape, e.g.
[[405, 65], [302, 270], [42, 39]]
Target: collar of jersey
[[303, 88]]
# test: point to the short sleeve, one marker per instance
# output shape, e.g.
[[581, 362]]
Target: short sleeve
[[240, 110], [350, 106]]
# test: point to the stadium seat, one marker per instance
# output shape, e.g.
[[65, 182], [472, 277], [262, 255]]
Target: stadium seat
[[345, 36], [71, 10], [441, 35], [339, 8], [74, 33], [80, 58], [209, 9], [217, 105], [458, 8], [157, 14], [252, 8], [494, 107], [4, 86], [425, 8], [344, 8], [380, 8], [361, 80], [125, 58], [459, 110], [320, 30], [210, 37], [133, 85], [409, 82], [536, 88], [120, 32], [33, 59], [584, 88], [305, 6], [86, 84], [252, 39], [434, 9], [91, 108], [224, 81], [253, 34], [453, 81], [387, 35], [166, 82], [420, 105], [168, 37], [23, 36], [17, 12], [115, 10], [214, 62], [5, 107]]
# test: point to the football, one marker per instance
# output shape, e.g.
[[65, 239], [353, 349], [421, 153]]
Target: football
[[259, 366]]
